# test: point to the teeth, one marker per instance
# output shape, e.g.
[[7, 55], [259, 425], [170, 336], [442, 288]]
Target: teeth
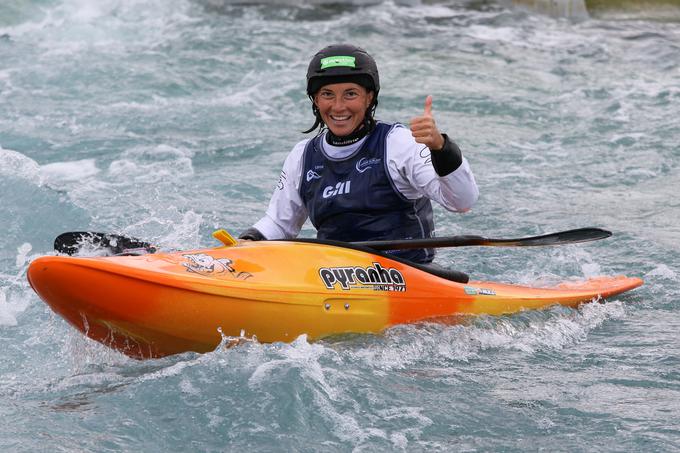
[[339, 118]]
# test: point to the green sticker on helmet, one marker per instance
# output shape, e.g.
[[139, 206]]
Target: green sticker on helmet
[[332, 62]]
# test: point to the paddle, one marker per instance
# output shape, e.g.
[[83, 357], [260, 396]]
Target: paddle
[[109, 244], [71, 242], [563, 237]]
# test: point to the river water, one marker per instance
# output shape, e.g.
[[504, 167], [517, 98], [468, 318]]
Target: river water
[[166, 119]]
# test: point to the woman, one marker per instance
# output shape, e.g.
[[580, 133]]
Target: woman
[[360, 179]]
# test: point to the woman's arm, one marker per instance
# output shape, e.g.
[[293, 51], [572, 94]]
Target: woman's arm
[[286, 212]]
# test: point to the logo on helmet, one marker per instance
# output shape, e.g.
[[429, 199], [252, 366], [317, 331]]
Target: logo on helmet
[[332, 62]]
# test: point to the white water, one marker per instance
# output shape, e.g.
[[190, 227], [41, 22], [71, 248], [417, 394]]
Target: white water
[[168, 119]]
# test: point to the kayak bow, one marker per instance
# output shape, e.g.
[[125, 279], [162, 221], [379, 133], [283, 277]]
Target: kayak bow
[[166, 303]]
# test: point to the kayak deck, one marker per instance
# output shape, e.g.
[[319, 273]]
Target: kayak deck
[[166, 303]]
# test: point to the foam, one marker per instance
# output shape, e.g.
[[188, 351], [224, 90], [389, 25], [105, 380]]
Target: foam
[[61, 172], [152, 164], [13, 163], [528, 333], [662, 270], [10, 306]]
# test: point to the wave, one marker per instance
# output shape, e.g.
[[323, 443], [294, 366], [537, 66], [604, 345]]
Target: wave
[[16, 164]]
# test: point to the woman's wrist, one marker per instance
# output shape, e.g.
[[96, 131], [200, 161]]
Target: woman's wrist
[[446, 160]]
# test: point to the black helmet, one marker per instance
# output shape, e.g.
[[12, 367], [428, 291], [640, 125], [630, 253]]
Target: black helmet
[[342, 63]]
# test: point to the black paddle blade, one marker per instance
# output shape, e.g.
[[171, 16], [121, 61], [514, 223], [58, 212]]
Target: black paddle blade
[[563, 237], [106, 244]]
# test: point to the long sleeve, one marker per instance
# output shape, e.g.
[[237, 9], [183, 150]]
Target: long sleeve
[[286, 212], [411, 169]]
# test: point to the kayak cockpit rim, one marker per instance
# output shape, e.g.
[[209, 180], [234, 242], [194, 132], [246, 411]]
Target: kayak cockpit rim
[[436, 270]]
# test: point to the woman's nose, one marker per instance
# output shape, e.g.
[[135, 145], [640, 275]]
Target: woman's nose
[[338, 104]]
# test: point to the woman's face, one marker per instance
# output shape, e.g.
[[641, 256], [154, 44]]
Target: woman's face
[[343, 106]]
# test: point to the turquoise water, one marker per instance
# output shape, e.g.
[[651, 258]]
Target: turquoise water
[[168, 119]]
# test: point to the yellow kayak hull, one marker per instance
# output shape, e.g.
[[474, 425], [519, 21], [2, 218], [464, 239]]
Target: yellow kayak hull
[[167, 303]]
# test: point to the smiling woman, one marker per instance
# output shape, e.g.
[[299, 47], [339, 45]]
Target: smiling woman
[[360, 179]]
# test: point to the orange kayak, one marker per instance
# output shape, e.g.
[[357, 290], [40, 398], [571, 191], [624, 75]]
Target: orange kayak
[[166, 303]]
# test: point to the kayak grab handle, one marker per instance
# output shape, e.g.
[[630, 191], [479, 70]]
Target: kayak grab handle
[[224, 237]]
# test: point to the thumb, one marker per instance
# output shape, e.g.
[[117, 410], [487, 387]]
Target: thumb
[[428, 105]]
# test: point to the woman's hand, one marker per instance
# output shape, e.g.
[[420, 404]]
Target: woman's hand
[[424, 129]]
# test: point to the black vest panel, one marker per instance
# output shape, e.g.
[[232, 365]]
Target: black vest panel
[[354, 199]]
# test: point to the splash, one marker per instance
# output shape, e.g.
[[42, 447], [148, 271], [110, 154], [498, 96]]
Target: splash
[[12, 303], [479, 338]]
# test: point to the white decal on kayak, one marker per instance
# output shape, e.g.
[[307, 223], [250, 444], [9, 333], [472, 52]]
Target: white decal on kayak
[[375, 277], [201, 263], [481, 291]]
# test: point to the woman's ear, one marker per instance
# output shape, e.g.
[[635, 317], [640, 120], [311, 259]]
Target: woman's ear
[[370, 97]]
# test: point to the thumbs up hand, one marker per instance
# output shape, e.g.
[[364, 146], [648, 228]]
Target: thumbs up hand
[[424, 129]]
